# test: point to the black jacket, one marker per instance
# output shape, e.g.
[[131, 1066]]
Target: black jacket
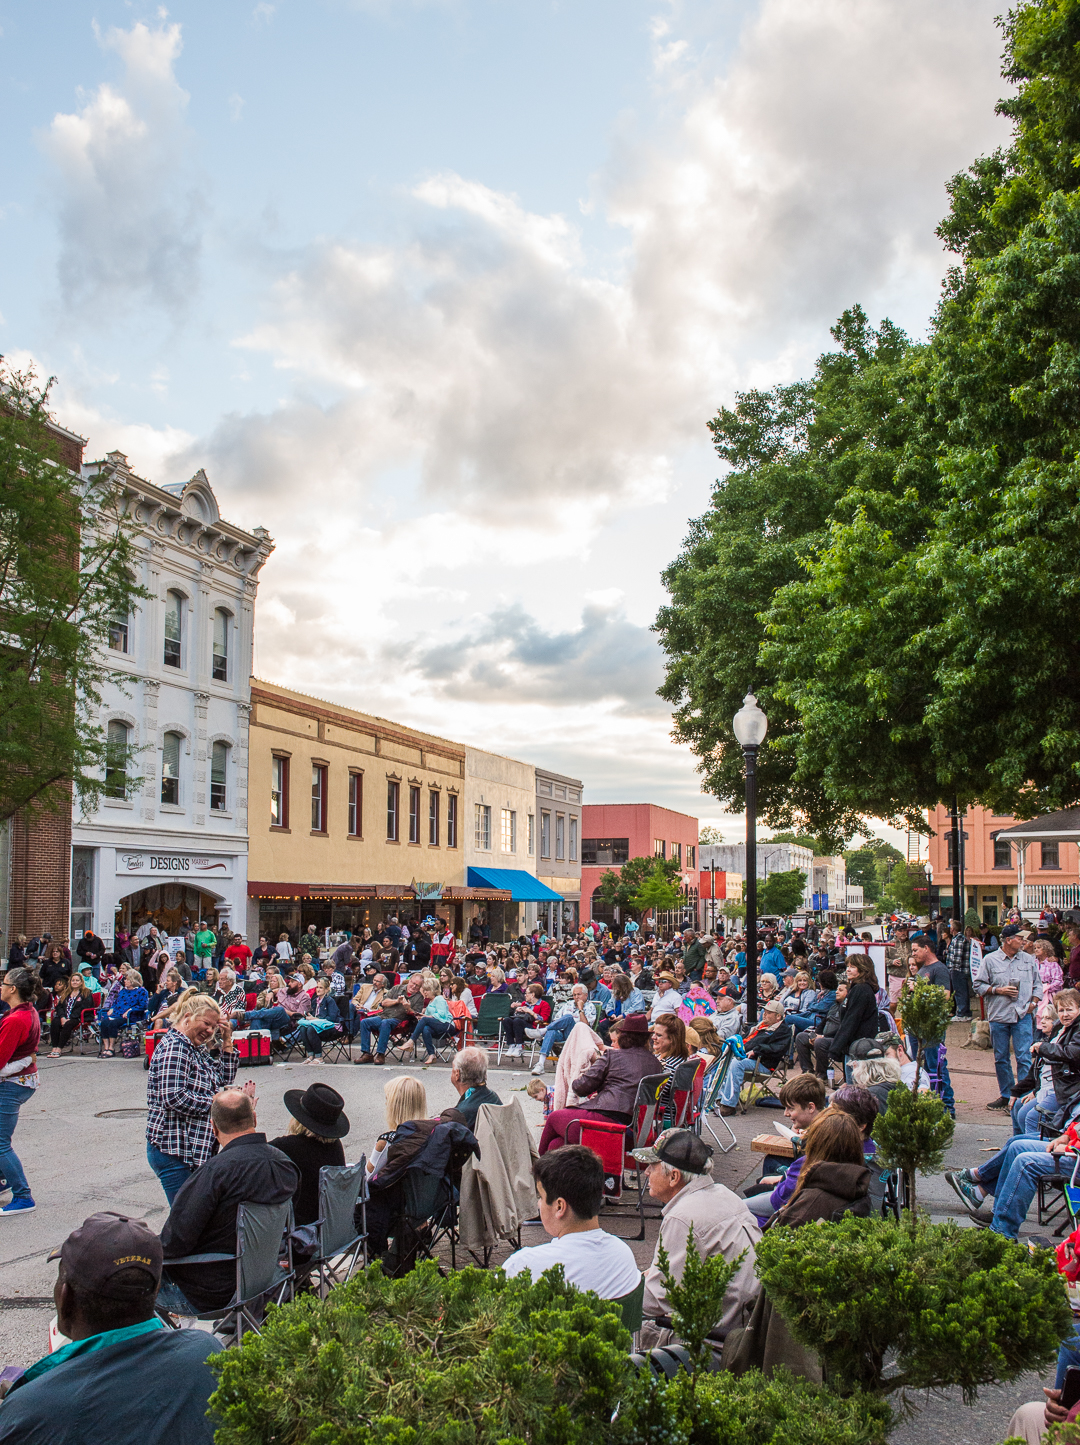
[[203, 1216], [309, 1156], [771, 1045], [1062, 1053], [859, 1019]]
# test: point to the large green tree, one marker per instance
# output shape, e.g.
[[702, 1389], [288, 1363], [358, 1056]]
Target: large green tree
[[625, 887], [65, 575], [882, 564]]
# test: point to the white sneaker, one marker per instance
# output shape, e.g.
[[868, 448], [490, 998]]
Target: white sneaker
[[514, 1051], [538, 1067]]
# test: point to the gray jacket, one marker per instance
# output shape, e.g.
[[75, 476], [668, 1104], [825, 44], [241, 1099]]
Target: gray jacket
[[998, 968]]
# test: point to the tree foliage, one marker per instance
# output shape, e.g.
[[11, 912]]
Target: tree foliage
[[875, 562], [697, 1298], [623, 887], [943, 1305], [65, 558], [913, 1135], [781, 893]]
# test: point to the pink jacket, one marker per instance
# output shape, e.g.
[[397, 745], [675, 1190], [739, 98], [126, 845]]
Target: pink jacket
[[578, 1053]]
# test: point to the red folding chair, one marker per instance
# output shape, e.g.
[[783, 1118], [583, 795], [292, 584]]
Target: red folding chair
[[687, 1084], [614, 1144]]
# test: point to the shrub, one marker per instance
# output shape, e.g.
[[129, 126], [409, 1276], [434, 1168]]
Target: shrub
[[946, 1305], [913, 1135], [472, 1359]]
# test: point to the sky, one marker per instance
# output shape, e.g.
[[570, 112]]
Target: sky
[[444, 292]]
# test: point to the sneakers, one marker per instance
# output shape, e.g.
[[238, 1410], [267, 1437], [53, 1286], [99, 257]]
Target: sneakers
[[998, 1104], [18, 1206], [964, 1185], [539, 1066], [961, 1018], [514, 1052]]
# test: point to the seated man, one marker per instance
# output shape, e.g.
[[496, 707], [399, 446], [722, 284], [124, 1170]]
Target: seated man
[[246, 1169], [125, 1377], [727, 1017], [579, 1010], [292, 1003], [404, 1002], [767, 1045], [680, 1178], [570, 1187], [468, 1074], [1012, 1177]]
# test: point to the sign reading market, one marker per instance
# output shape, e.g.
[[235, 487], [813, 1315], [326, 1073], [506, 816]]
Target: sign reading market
[[146, 863]]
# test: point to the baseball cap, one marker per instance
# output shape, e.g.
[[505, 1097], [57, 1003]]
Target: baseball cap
[[681, 1148], [1010, 930], [103, 1246], [889, 1040], [866, 1049]]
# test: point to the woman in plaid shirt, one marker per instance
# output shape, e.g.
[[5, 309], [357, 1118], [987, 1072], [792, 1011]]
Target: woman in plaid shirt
[[184, 1077]]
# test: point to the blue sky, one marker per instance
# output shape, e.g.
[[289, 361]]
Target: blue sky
[[444, 294]]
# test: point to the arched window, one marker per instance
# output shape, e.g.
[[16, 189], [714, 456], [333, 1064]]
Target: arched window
[[116, 757], [174, 622], [220, 666], [170, 768], [219, 768]]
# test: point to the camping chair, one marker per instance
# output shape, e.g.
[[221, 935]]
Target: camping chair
[[335, 1047], [459, 1012], [767, 1083], [711, 1085], [88, 1030], [1059, 1200], [490, 1012], [262, 1234], [686, 1086], [428, 1215], [283, 1048], [400, 1034], [613, 1144], [339, 1247], [632, 1306]]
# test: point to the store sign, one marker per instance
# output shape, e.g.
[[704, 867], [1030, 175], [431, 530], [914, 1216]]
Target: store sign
[[426, 890], [174, 865]]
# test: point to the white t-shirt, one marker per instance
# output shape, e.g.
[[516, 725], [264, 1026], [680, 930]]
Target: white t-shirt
[[285, 950], [591, 1259]]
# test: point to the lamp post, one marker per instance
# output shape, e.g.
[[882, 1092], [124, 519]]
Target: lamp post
[[751, 725]]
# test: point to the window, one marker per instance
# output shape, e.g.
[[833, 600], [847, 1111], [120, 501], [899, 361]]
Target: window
[[573, 840], [116, 760], [279, 792], [433, 819], [604, 852], [414, 815], [691, 851], [451, 820], [220, 665], [1002, 853], [170, 769], [1050, 855], [676, 853], [532, 834], [659, 848], [219, 767], [318, 797], [174, 612], [951, 850], [483, 826], [391, 812], [509, 831], [545, 835], [118, 631], [82, 891], [560, 835], [356, 805]]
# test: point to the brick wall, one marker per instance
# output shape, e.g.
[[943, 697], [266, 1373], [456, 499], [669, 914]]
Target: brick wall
[[41, 872]]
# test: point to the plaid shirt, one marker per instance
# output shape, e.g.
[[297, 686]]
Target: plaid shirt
[[182, 1083], [958, 953]]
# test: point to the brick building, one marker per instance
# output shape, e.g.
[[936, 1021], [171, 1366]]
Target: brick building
[[991, 877], [613, 833]]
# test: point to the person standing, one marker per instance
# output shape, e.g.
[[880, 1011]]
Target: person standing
[[204, 946], [1008, 980], [20, 1031], [958, 958]]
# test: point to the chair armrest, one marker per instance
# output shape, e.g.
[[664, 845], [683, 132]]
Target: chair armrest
[[199, 1259]]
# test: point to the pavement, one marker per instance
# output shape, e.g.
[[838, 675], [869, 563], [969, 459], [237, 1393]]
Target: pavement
[[82, 1143]]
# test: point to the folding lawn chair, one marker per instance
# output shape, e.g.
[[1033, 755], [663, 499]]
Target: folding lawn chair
[[711, 1085], [490, 1012], [339, 1245], [686, 1088]]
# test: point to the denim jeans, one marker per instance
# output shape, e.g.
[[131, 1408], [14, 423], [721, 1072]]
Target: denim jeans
[[12, 1098], [937, 1065], [961, 989], [312, 1039], [999, 1164], [731, 1088], [1019, 1035], [430, 1029], [172, 1298], [278, 1020], [1028, 1116], [557, 1033], [385, 1028], [1018, 1187], [1069, 1354], [171, 1171]]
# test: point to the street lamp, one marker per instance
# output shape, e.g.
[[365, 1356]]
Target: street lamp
[[751, 725]]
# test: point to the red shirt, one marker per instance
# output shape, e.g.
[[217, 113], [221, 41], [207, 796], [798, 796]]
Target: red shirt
[[239, 955]]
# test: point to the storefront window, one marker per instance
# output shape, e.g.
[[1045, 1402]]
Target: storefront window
[[82, 890]]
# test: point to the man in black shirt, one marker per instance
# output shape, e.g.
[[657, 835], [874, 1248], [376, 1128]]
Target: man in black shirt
[[469, 1077]]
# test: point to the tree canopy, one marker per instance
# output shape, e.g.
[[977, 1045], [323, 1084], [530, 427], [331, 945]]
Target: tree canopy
[[878, 564], [625, 887], [65, 558], [781, 893]]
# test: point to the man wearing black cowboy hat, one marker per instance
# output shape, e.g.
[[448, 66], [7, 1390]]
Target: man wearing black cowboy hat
[[313, 1140]]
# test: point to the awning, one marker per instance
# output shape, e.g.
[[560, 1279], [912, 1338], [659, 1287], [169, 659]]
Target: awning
[[1060, 827], [522, 886]]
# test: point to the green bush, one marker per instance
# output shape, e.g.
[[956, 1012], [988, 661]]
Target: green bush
[[913, 1135], [946, 1305], [472, 1359], [750, 1409]]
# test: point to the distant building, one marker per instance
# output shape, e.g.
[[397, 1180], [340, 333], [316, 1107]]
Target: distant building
[[991, 879], [558, 819], [830, 892], [613, 833], [771, 858]]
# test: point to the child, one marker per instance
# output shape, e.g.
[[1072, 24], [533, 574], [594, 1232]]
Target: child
[[545, 1093]]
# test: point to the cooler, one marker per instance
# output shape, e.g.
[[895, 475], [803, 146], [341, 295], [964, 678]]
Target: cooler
[[252, 1047]]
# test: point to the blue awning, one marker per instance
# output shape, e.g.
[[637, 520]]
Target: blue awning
[[522, 886]]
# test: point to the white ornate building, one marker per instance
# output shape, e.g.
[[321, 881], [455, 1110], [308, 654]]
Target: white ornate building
[[171, 836]]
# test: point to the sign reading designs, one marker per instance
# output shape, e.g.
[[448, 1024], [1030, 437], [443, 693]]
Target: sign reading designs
[[190, 865]]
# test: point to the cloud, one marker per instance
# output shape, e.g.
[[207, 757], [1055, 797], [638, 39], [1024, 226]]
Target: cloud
[[130, 220], [509, 655]]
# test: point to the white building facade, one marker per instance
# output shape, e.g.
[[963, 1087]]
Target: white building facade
[[771, 858], [170, 839]]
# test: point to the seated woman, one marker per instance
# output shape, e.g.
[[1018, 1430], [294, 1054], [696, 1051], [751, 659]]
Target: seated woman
[[460, 989], [703, 1040], [172, 986], [312, 1140], [72, 996], [834, 1179], [434, 1023], [626, 999], [323, 1020], [669, 1043], [408, 1126], [497, 981], [534, 1012], [130, 1005], [612, 1079]]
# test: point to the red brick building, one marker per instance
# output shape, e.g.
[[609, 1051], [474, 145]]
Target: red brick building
[[613, 833], [990, 863]]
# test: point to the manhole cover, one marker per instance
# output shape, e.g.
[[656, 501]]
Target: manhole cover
[[122, 1114]]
